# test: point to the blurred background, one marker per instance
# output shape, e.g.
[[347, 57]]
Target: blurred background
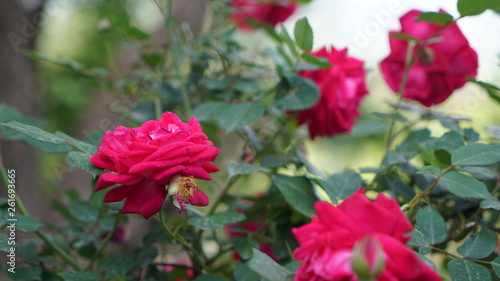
[[77, 42]]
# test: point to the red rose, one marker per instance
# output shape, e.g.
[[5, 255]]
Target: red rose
[[439, 67], [326, 244], [146, 159], [342, 87], [271, 12]]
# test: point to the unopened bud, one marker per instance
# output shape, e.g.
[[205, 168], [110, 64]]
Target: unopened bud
[[368, 259]]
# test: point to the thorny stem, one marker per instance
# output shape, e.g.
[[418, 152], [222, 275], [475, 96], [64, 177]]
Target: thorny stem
[[198, 261], [22, 209]]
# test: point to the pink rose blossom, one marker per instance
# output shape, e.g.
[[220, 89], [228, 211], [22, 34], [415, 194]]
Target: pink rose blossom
[[342, 87], [440, 66], [326, 244], [143, 160]]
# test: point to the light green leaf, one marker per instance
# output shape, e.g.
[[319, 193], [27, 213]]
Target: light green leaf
[[303, 34], [34, 132], [83, 211], [432, 225], [243, 169], [435, 17], [464, 186], [464, 270], [267, 268], [27, 224], [70, 275], [305, 94], [343, 184], [298, 192], [239, 114], [479, 245], [476, 154], [217, 220]]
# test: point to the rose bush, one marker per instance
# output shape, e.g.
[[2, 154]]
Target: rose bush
[[326, 244], [145, 159], [342, 87], [439, 66], [271, 12]]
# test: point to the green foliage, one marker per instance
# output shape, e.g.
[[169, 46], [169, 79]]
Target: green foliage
[[435, 17], [304, 94], [267, 268], [464, 270], [243, 169], [298, 192], [70, 275], [303, 34], [476, 154], [479, 245], [464, 186], [432, 225], [343, 184], [476, 7], [217, 220]]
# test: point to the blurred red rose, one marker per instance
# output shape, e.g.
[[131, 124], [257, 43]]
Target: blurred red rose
[[326, 244], [440, 66], [271, 12], [342, 87], [145, 159]]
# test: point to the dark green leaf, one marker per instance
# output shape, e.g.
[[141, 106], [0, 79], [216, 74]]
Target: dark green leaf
[[435, 17], [476, 154], [496, 265], [464, 186], [244, 245], [343, 184], [27, 224], [432, 225], [303, 34], [217, 220], [243, 169], [34, 132], [145, 255], [4, 243], [449, 141], [490, 204], [305, 94], [115, 265], [398, 157], [298, 192], [70, 275], [210, 110], [479, 245], [81, 160], [243, 273], [239, 115], [414, 138], [83, 211], [429, 169], [210, 277], [418, 239], [464, 270], [267, 268], [273, 161], [24, 273], [82, 145], [476, 7], [289, 42]]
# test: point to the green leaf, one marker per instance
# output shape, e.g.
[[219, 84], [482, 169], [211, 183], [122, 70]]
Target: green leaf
[[479, 245], [343, 184], [244, 245], [449, 141], [464, 270], [27, 224], [76, 159], [273, 161], [429, 170], [476, 154], [435, 17], [398, 157], [83, 211], [82, 145], [34, 132], [70, 275], [476, 7], [210, 277], [496, 265], [243, 169], [267, 268], [319, 62], [369, 126], [490, 204], [136, 33], [145, 255], [432, 225], [285, 37], [418, 239], [24, 273], [239, 115], [217, 220], [4, 243], [298, 192], [464, 186], [405, 37], [303, 34], [414, 138], [242, 272], [305, 94], [115, 265], [209, 110]]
